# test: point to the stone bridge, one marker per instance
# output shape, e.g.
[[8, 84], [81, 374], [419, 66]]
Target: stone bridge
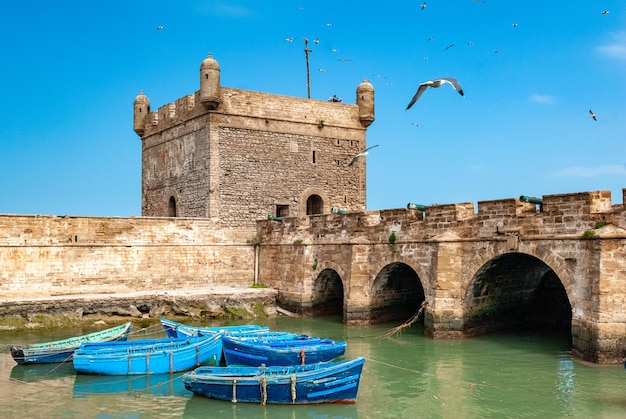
[[558, 264]]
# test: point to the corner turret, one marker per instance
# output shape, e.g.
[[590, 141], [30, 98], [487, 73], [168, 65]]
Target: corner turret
[[141, 110], [365, 100], [210, 83]]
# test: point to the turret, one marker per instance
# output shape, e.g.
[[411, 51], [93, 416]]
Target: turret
[[210, 83], [365, 100], [141, 110]]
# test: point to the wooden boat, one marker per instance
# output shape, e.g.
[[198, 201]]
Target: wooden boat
[[148, 356], [63, 350], [174, 329], [257, 352], [326, 382]]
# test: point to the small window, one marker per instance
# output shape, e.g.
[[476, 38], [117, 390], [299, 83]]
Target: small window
[[313, 157], [171, 207], [282, 211]]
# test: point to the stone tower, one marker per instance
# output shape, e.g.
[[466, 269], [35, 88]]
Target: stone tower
[[236, 156]]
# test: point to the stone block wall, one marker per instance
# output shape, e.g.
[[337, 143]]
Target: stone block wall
[[254, 153], [49, 255]]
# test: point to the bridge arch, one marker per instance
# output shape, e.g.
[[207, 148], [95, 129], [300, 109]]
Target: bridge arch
[[396, 293], [327, 295], [516, 290]]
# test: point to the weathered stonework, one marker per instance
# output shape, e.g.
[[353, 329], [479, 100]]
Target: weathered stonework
[[477, 271], [245, 155]]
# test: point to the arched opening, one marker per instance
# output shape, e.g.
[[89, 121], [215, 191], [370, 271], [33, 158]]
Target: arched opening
[[314, 205], [397, 294], [517, 291], [327, 294], [171, 207]]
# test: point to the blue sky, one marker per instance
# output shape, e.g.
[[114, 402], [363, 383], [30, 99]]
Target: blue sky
[[530, 70]]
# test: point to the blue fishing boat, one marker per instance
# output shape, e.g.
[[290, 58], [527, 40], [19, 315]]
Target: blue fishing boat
[[257, 352], [63, 350], [326, 382], [148, 356], [174, 329]]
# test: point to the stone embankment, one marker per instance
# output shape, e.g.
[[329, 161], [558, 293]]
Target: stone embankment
[[205, 303]]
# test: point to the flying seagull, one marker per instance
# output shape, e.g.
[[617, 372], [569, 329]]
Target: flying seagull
[[435, 83], [593, 115], [361, 154], [423, 5], [159, 27]]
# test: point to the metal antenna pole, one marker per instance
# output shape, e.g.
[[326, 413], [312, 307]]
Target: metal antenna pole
[[308, 72]]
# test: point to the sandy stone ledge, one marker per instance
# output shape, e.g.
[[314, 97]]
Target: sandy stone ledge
[[198, 303]]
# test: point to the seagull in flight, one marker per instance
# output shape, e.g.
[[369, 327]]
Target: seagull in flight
[[435, 83], [361, 154], [423, 5], [448, 47], [593, 115], [159, 27]]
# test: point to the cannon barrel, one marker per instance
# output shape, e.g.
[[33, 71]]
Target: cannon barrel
[[272, 218], [337, 210], [413, 206], [531, 199]]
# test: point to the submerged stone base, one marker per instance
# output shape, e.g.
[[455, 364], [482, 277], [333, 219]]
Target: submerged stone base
[[205, 303]]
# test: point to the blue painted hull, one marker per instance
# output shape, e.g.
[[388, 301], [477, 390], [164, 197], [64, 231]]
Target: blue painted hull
[[149, 356], [63, 350], [254, 352], [332, 382], [174, 329]]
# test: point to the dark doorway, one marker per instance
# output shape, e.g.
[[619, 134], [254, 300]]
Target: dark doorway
[[314, 205]]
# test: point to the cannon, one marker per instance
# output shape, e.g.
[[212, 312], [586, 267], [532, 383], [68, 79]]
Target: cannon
[[531, 199]]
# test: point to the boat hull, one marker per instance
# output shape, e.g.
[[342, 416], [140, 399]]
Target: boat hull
[[174, 329], [332, 382], [150, 356], [251, 352], [63, 350]]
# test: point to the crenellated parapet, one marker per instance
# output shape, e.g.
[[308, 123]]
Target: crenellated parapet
[[214, 98], [563, 214]]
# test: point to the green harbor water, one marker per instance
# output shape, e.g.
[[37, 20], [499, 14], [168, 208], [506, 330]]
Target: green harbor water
[[504, 375]]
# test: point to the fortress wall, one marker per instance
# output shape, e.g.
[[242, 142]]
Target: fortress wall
[[567, 214], [49, 255]]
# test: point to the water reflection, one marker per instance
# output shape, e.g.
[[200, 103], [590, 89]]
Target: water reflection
[[407, 375], [86, 385], [197, 407], [42, 372]]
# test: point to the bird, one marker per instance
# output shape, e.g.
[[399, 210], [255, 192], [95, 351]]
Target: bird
[[423, 5], [289, 39], [448, 47], [514, 25], [160, 27], [316, 41], [361, 154], [605, 12], [343, 60], [435, 83], [593, 115], [416, 124]]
